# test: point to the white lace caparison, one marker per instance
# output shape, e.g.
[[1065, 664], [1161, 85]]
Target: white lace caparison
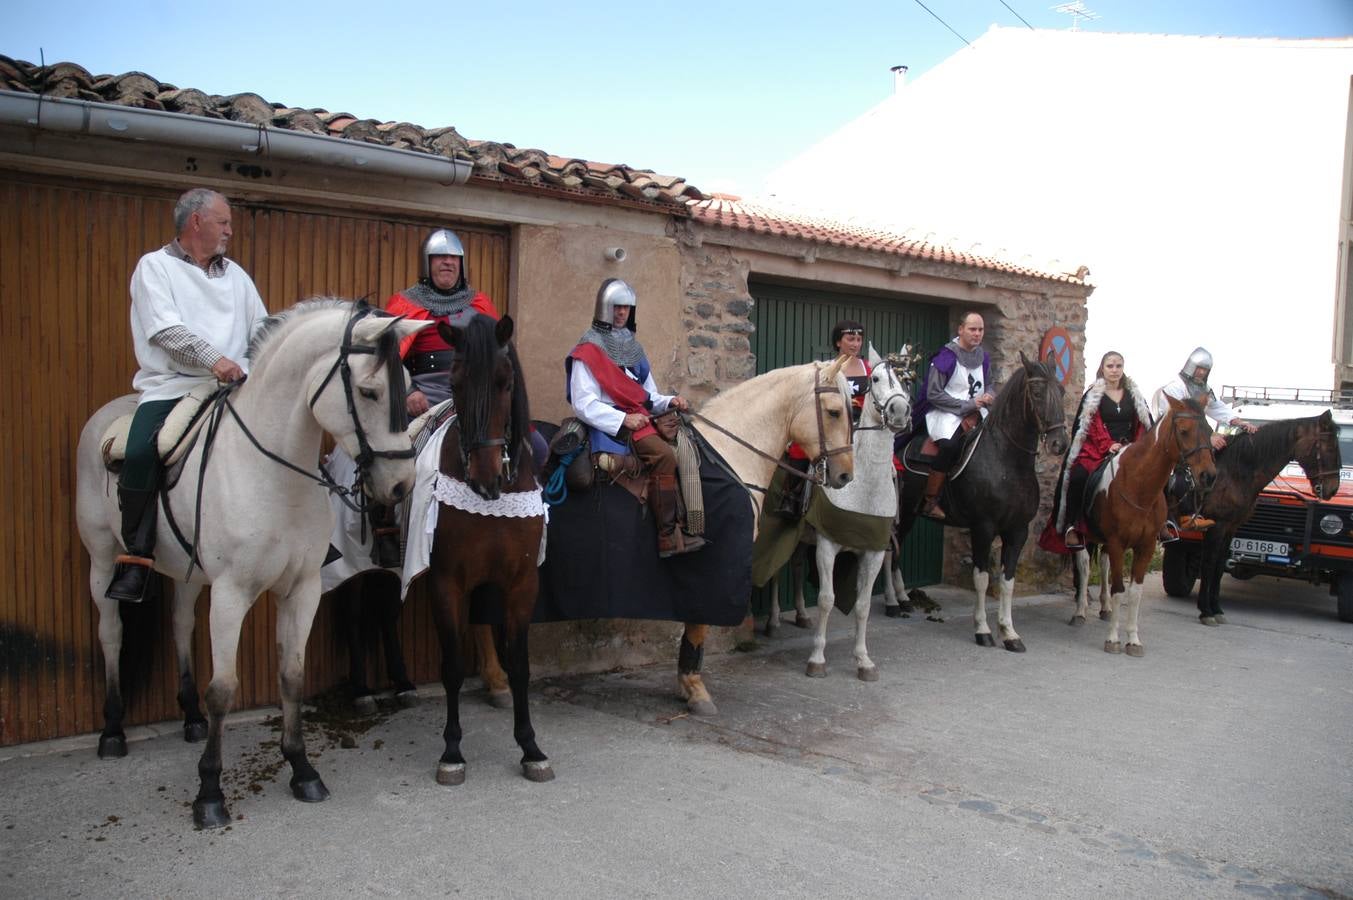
[[517, 505]]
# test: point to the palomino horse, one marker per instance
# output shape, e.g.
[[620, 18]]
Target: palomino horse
[[1250, 462], [489, 528], [872, 496], [1127, 510], [997, 491], [264, 524]]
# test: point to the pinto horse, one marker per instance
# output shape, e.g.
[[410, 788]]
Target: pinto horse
[[1248, 464], [489, 528], [997, 491], [321, 366], [1127, 510]]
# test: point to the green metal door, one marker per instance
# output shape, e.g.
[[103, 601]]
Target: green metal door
[[793, 326]]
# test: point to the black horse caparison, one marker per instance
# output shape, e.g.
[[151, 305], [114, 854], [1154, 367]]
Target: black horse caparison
[[997, 492], [1244, 468], [482, 557]]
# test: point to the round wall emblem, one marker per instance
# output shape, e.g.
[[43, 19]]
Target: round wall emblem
[[1057, 341]]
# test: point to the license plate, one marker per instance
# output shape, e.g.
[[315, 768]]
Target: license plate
[[1253, 547]]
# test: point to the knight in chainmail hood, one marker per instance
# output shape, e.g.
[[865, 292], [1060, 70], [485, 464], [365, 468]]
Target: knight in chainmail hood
[[442, 293], [610, 386]]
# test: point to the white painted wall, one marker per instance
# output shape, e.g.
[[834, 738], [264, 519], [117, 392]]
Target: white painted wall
[[1199, 179]]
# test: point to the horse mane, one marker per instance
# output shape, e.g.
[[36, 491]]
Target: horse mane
[[268, 334], [1269, 446], [477, 346], [1010, 395]]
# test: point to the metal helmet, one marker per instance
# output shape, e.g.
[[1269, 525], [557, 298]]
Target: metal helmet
[[442, 242], [1198, 367], [614, 292]]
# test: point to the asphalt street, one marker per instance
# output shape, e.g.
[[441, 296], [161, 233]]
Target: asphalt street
[[1216, 766]]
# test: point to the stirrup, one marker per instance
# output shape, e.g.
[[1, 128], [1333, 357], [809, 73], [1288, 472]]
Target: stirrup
[[1169, 532], [931, 509], [1072, 545]]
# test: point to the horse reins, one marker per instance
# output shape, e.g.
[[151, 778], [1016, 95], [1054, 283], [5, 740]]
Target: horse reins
[[1038, 420], [818, 465]]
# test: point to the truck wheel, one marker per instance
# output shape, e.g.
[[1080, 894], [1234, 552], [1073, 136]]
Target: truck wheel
[[1179, 570], [1344, 587]]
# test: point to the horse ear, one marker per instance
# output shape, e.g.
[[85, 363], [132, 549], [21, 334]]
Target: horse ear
[[370, 329], [873, 357], [1024, 360], [836, 366], [449, 333], [503, 330]]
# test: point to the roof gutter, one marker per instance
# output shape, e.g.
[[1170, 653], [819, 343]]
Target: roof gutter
[[130, 123]]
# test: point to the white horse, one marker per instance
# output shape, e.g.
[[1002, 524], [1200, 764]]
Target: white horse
[[873, 492], [323, 365], [750, 425]]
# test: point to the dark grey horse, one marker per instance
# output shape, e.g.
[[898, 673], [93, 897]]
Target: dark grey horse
[[996, 493]]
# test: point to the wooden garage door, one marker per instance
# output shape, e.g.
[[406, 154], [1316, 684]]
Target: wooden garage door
[[793, 325], [66, 254]]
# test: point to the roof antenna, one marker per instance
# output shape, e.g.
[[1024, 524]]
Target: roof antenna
[[1077, 11]]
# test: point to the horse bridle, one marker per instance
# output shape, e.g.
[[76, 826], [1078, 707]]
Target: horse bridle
[[1038, 419], [879, 408], [1321, 471], [399, 417], [478, 442], [818, 464]]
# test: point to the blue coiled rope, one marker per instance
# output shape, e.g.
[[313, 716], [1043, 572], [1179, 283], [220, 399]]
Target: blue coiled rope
[[555, 491]]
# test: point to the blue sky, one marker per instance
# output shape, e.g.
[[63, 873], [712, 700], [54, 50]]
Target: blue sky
[[720, 93]]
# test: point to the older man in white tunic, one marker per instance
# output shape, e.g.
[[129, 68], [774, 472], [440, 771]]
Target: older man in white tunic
[[193, 312]]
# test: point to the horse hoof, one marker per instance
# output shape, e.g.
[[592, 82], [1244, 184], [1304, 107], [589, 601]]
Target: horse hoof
[[311, 790], [112, 746], [770, 629], [1113, 647], [802, 621], [1077, 619], [702, 708], [538, 771], [451, 774], [893, 612], [210, 813], [1209, 621], [1136, 650], [816, 670], [194, 732], [870, 673], [1104, 615], [985, 640], [1221, 620], [500, 699], [1015, 645], [407, 699], [365, 705]]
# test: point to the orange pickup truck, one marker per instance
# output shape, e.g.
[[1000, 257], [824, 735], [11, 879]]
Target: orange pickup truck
[[1291, 533]]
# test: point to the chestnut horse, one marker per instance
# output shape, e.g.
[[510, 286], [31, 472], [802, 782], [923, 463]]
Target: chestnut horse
[[490, 522], [1127, 510]]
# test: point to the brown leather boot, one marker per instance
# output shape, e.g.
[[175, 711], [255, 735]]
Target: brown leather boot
[[672, 541], [931, 507]]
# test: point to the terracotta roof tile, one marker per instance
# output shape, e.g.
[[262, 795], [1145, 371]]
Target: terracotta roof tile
[[728, 211], [497, 163]]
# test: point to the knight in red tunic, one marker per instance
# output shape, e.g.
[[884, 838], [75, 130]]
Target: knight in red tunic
[[443, 294], [611, 389]]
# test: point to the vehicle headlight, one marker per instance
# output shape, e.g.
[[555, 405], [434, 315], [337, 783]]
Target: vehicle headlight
[[1330, 523]]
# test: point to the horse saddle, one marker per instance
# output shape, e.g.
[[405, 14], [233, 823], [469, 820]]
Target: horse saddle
[[175, 436], [1099, 479], [918, 457]]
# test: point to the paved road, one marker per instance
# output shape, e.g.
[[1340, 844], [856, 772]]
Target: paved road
[[1217, 766]]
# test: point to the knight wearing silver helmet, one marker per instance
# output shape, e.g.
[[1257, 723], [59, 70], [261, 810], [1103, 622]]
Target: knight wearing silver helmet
[[1191, 384], [442, 293], [611, 388]]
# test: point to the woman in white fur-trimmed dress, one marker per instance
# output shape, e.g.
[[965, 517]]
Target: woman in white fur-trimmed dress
[[1113, 413]]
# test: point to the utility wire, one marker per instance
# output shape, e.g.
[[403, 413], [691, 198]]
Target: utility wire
[[1017, 15], [942, 22]]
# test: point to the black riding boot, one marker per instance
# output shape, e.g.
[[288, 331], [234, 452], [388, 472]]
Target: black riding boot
[[135, 568], [384, 536]]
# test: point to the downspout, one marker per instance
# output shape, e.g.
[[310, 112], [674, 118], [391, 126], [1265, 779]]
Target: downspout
[[130, 123]]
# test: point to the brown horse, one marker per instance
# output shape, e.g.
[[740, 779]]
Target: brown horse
[[1128, 508], [489, 528]]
